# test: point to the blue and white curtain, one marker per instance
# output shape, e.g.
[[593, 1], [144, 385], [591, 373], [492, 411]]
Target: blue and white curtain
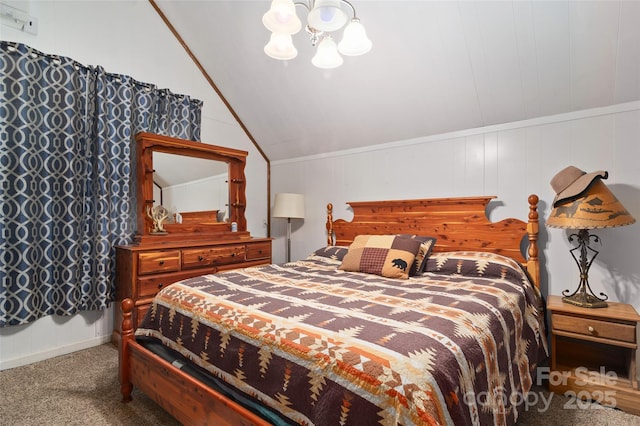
[[68, 184]]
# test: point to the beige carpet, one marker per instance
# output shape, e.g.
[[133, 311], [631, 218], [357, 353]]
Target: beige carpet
[[82, 389], [77, 389]]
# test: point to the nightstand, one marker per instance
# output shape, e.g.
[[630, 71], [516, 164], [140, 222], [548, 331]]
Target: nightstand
[[593, 353]]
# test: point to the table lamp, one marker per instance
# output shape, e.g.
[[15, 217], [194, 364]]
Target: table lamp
[[584, 202]]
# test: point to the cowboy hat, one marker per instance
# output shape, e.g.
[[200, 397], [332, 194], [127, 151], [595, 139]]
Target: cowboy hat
[[571, 181]]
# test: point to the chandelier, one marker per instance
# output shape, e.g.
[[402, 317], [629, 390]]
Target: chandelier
[[324, 16]]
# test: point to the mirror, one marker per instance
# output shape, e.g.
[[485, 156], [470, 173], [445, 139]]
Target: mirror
[[187, 185], [194, 189]]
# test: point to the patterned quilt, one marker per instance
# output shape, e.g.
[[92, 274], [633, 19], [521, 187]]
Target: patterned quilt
[[456, 345]]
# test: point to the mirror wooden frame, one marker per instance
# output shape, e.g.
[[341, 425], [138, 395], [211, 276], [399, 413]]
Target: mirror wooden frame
[[146, 145]]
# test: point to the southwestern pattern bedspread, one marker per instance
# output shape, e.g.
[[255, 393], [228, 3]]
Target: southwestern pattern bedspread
[[457, 345]]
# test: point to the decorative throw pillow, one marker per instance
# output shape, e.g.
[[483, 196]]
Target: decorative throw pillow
[[332, 252], [385, 255], [426, 246]]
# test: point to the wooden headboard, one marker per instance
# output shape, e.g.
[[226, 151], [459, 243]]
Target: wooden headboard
[[457, 223]]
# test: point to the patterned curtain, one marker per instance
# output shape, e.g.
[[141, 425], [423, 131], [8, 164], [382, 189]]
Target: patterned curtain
[[68, 184]]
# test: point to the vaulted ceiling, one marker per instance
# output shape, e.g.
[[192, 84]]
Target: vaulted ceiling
[[435, 67]]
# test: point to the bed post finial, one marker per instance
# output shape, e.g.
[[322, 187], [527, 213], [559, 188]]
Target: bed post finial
[[533, 230], [329, 224]]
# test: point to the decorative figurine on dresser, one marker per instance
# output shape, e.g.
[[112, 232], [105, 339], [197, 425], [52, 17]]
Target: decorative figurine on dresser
[[174, 245], [593, 341]]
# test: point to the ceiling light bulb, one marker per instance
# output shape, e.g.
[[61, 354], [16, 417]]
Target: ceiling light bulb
[[327, 15], [354, 40], [281, 17], [327, 55], [280, 47]]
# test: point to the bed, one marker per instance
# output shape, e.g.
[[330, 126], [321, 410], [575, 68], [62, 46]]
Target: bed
[[317, 341]]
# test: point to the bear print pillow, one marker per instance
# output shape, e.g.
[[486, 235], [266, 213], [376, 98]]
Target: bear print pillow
[[389, 256]]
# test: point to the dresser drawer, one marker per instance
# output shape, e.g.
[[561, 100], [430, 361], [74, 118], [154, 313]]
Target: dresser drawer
[[594, 327], [148, 286], [158, 261], [197, 258], [259, 251]]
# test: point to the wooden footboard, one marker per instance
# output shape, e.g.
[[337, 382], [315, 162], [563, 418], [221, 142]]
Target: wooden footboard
[[182, 396]]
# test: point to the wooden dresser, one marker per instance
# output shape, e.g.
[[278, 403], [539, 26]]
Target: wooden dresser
[[163, 253], [143, 270]]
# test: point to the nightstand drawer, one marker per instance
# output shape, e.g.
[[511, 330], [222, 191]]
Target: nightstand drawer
[[158, 261], [594, 328]]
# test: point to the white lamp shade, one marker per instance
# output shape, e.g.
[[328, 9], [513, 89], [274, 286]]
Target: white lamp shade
[[354, 40], [281, 47], [327, 55], [288, 205], [327, 15], [281, 17]]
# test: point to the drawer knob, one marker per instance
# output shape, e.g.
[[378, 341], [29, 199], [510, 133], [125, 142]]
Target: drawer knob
[[233, 255], [160, 286], [162, 262], [591, 329], [200, 258]]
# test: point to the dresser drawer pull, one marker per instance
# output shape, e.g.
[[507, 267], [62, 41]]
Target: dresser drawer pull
[[591, 329], [200, 258], [160, 286], [161, 262], [233, 255]]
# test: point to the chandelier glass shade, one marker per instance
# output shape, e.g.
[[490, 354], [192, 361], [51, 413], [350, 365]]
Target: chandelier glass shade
[[327, 55], [324, 17], [327, 15], [281, 18], [354, 40], [281, 47]]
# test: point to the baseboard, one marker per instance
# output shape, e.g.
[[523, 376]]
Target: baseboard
[[52, 353]]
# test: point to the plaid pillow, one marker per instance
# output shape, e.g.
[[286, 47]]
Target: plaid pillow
[[385, 255], [426, 246]]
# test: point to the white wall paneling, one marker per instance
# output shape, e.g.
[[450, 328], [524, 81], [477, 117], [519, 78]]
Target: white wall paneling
[[593, 52], [52, 336], [628, 60], [552, 54]]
